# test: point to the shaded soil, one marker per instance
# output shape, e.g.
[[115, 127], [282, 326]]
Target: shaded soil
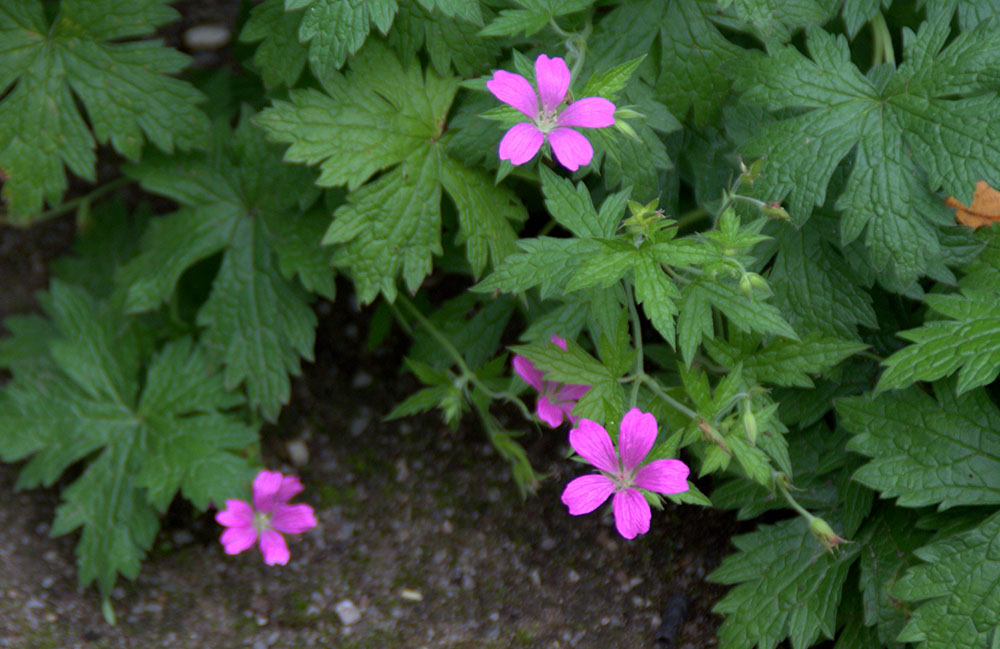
[[421, 529]]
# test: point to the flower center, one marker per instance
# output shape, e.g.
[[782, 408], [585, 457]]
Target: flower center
[[547, 121], [261, 522]]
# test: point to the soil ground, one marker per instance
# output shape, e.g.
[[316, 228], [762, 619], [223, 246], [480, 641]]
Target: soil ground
[[421, 529]]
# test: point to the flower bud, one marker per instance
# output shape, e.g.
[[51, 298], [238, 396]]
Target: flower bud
[[749, 423], [626, 130], [713, 436], [775, 211], [825, 534], [751, 173], [757, 281], [746, 286]]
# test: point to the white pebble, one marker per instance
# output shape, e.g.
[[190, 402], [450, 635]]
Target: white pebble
[[573, 576], [361, 380], [206, 37], [347, 612], [411, 594], [298, 452]]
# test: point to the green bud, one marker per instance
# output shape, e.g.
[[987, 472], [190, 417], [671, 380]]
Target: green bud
[[758, 282], [746, 286], [627, 130], [748, 175], [825, 534], [749, 423], [627, 113]]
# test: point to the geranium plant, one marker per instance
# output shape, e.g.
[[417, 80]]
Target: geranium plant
[[712, 235]]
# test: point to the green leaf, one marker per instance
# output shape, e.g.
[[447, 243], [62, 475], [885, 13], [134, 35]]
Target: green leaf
[[257, 322], [336, 28], [147, 433], [785, 362], [911, 130], [485, 212], [776, 20], [889, 541], [573, 208], [926, 451], [546, 262], [757, 317], [450, 41], [467, 10], [45, 69], [969, 343], [382, 117], [858, 12], [534, 16], [787, 587], [814, 288], [958, 585], [658, 296], [691, 78], [279, 57]]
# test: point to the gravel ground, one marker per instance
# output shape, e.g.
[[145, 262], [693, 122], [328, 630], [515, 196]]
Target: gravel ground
[[423, 537]]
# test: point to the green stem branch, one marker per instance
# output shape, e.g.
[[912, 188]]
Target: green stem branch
[[69, 206]]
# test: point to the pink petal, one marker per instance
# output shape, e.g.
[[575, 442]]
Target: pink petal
[[632, 513], [559, 342], [236, 514], [636, 435], [521, 143], [663, 476], [273, 547], [586, 493], [237, 539], [572, 149], [548, 412], [293, 519], [265, 490], [572, 392], [553, 78], [290, 486], [589, 112], [592, 442], [514, 90], [527, 371]]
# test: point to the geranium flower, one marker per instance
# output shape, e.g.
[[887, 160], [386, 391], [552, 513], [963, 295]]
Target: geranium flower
[[522, 141], [555, 399], [636, 437], [267, 519]]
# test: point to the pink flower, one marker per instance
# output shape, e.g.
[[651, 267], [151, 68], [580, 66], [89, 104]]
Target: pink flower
[[637, 434], [269, 516], [556, 398], [522, 141]]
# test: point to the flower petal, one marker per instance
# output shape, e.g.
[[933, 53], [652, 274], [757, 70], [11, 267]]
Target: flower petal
[[514, 90], [632, 513], [274, 548], [265, 490], [236, 514], [237, 539], [293, 519], [572, 150], [548, 412], [290, 486], [572, 392], [552, 76], [663, 476], [527, 371], [586, 493], [592, 442], [589, 112], [559, 342], [636, 435], [521, 143]]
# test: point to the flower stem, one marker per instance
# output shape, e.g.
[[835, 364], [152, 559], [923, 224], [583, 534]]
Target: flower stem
[[882, 51], [651, 383], [794, 504], [637, 341], [69, 206], [467, 375], [692, 216]]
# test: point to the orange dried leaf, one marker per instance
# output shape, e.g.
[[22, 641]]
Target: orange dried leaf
[[985, 208]]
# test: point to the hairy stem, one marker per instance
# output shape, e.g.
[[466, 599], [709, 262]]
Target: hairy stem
[[69, 206]]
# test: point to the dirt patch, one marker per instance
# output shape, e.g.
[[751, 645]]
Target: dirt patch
[[421, 529]]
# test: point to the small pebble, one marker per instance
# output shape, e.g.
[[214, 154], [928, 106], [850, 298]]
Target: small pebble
[[494, 616], [347, 612], [402, 471], [47, 582], [447, 527], [298, 452], [411, 594], [548, 543], [573, 576], [358, 425], [361, 380], [206, 37]]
